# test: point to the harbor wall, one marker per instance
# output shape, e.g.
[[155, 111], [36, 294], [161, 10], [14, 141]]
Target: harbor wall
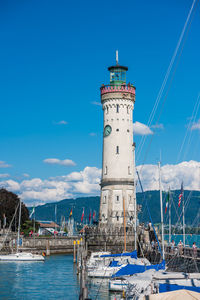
[[53, 245]]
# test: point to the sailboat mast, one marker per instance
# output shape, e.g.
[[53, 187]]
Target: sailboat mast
[[135, 224], [19, 224], [34, 226], [183, 221], [170, 225], [161, 212], [124, 225]]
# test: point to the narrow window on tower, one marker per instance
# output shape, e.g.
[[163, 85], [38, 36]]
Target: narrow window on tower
[[117, 150], [107, 109], [106, 170], [117, 108], [117, 199], [104, 199], [127, 110], [129, 170]]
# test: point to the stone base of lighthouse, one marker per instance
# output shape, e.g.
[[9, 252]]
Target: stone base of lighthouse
[[117, 206], [104, 239]]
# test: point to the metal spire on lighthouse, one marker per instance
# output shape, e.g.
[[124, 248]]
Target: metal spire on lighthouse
[[117, 58]]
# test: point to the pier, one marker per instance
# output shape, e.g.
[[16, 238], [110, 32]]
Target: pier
[[39, 244]]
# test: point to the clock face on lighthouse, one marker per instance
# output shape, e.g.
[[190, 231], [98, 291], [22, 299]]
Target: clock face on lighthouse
[[107, 130]]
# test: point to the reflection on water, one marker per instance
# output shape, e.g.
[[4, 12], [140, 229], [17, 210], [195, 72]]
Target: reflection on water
[[55, 278], [39, 280], [98, 289]]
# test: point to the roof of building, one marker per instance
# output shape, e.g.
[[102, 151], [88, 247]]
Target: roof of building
[[49, 224], [117, 67]]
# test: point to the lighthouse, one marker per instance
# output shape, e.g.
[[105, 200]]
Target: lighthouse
[[118, 196]]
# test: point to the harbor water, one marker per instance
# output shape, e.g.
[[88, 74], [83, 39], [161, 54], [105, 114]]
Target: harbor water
[[189, 239], [56, 278]]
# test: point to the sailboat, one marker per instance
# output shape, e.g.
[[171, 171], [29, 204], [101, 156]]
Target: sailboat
[[19, 255]]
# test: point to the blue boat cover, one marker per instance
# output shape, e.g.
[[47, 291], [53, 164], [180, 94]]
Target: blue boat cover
[[131, 254], [114, 263], [166, 287], [133, 269]]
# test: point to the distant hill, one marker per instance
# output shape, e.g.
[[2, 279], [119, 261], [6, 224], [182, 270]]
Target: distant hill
[[150, 198]]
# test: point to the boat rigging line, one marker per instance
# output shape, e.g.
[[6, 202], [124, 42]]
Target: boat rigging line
[[9, 228], [160, 93], [192, 120]]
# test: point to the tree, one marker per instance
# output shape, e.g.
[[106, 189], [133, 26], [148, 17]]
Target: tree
[[8, 204], [29, 226]]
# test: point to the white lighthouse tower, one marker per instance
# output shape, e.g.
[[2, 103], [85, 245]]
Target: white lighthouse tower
[[118, 197]]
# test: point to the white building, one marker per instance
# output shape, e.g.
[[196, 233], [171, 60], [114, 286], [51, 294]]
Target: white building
[[118, 195]]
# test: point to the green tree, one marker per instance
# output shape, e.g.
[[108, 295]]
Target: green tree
[[8, 204], [28, 226]]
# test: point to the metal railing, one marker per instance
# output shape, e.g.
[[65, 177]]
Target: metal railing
[[126, 88]]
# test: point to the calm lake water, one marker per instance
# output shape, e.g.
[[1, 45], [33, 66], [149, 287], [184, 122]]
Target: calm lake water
[[53, 279], [189, 239]]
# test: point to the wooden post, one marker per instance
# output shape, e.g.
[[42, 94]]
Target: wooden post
[[47, 248], [74, 251], [78, 249], [83, 288]]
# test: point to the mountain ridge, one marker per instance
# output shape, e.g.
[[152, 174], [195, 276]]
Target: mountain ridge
[[151, 198]]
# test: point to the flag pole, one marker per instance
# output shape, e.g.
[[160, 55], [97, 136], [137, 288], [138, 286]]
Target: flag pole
[[161, 212], [170, 225]]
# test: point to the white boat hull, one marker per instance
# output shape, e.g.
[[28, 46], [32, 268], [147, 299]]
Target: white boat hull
[[105, 272], [22, 256]]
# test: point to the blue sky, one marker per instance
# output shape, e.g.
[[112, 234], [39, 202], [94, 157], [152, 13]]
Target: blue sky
[[54, 57]]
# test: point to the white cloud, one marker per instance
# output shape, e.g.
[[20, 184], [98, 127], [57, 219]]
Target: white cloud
[[4, 175], [3, 164], [157, 126], [10, 185], [38, 191], [141, 129], [86, 182], [196, 126], [172, 176], [62, 122], [96, 103], [56, 161]]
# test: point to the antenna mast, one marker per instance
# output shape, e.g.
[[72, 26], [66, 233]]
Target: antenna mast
[[117, 57]]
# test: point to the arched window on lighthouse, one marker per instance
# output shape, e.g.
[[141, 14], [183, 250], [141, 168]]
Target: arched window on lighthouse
[[117, 199], [129, 170], [106, 170], [117, 108], [117, 150], [127, 110], [107, 109]]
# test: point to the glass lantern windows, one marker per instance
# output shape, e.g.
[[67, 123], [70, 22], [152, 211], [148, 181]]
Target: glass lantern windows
[[117, 76]]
